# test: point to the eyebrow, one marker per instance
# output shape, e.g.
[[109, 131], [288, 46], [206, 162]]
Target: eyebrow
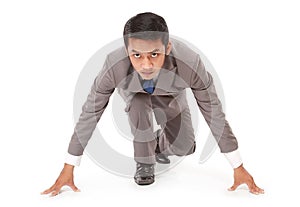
[[153, 51]]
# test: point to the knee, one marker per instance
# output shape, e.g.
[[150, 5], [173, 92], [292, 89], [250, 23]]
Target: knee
[[184, 150]]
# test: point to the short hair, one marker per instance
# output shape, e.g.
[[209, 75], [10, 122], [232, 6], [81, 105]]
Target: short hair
[[146, 26]]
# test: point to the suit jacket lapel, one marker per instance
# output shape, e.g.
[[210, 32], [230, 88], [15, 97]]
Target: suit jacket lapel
[[134, 83], [166, 78]]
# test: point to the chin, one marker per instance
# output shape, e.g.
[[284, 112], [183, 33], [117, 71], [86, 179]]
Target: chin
[[147, 77]]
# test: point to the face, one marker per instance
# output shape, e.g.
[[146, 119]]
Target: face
[[147, 56]]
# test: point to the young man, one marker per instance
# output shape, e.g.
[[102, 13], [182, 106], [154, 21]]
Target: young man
[[152, 73]]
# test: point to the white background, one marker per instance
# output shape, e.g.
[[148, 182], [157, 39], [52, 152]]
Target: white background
[[254, 47]]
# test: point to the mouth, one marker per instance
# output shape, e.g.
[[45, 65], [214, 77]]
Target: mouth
[[147, 73]]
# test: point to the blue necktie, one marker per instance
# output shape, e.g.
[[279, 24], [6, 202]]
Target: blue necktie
[[148, 86]]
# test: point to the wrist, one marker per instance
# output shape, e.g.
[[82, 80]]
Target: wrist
[[68, 167], [238, 168]]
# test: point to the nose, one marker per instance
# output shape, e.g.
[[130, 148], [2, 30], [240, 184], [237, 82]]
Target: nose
[[146, 63]]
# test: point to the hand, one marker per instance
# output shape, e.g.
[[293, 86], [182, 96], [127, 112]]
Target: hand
[[65, 178], [241, 176]]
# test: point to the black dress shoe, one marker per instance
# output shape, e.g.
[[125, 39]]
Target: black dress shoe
[[161, 158], [144, 174]]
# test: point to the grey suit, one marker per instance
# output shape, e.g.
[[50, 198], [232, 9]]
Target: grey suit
[[182, 69]]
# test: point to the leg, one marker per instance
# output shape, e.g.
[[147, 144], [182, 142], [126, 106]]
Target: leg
[[141, 123], [178, 135]]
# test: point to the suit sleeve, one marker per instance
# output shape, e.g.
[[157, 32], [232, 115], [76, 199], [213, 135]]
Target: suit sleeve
[[92, 110], [203, 88]]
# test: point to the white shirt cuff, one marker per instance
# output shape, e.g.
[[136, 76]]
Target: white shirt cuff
[[234, 158], [72, 159]]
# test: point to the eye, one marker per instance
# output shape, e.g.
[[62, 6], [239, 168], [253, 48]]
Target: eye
[[137, 55], [154, 55]]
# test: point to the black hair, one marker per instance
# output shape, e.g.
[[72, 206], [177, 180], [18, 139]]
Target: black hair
[[146, 26]]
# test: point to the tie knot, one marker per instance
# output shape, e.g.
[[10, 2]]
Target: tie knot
[[148, 86]]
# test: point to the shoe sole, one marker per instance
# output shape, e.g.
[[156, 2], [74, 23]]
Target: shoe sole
[[144, 182], [162, 162], [157, 160]]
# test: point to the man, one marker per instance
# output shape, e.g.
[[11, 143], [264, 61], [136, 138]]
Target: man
[[152, 73]]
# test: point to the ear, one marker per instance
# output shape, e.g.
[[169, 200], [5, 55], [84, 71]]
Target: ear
[[169, 48]]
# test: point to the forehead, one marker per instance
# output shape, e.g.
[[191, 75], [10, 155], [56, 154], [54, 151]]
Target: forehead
[[145, 46]]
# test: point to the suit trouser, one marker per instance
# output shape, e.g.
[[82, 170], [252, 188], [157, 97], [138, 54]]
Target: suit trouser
[[177, 134]]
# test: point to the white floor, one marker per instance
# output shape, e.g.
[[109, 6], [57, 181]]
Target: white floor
[[187, 184]]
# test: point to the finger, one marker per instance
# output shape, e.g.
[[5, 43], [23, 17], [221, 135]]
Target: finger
[[55, 192], [74, 188], [233, 187], [258, 190], [261, 191], [48, 190], [254, 189]]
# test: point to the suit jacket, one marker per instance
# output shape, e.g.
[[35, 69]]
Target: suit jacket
[[182, 69]]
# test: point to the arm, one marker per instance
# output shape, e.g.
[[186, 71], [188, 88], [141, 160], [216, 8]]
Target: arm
[[201, 83], [92, 110], [210, 106]]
